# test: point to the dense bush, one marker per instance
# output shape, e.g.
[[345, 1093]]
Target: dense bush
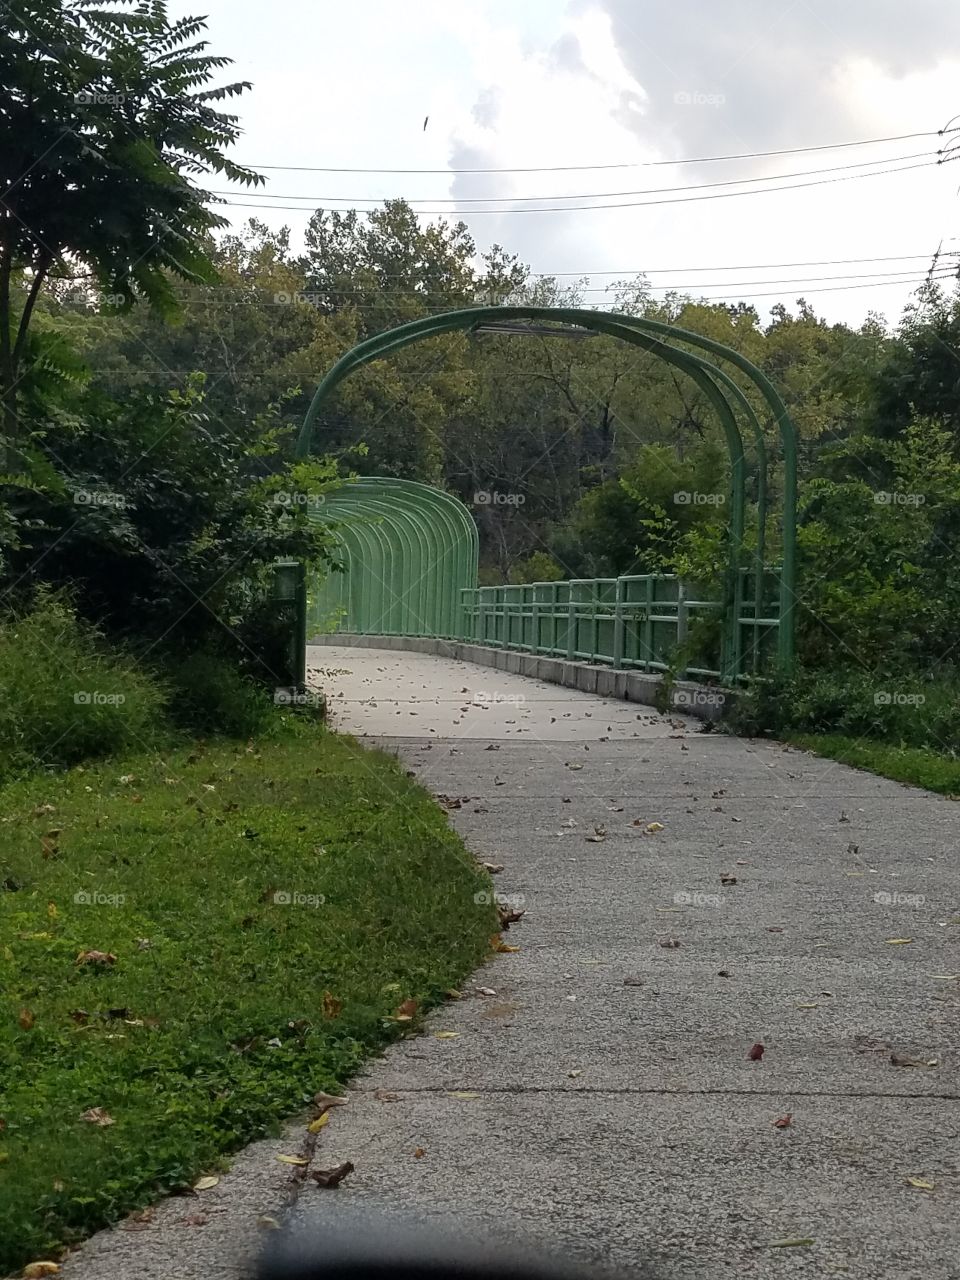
[[65, 695], [910, 709]]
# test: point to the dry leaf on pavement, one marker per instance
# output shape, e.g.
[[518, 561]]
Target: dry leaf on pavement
[[332, 1177]]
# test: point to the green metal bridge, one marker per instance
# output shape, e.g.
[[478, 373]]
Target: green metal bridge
[[410, 551]]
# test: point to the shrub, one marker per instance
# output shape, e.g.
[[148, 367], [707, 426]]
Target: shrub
[[209, 695], [65, 695]]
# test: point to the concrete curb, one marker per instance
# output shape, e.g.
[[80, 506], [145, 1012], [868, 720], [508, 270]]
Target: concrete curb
[[705, 702]]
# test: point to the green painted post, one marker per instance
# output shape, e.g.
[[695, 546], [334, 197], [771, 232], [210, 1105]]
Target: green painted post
[[618, 624]]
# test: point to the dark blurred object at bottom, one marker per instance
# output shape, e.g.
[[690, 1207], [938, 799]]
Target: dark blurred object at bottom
[[351, 1245]]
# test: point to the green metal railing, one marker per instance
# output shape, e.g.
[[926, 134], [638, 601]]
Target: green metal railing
[[647, 622]]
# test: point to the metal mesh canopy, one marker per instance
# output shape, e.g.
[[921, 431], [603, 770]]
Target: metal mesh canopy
[[407, 549]]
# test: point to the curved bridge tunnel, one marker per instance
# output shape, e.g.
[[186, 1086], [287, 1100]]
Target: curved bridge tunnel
[[407, 551]]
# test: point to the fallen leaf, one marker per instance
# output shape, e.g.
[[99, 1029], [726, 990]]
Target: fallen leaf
[[784, 1122], [485, 991], [97, 1116], [26, 1019], [507, 918], [451, 994], [316, 1125], [798, 1242], [898, 942], [419, 1153], [406, 1010], [35, 1269], [463, 1095], [324, 1100], [386, 1095], [492, 867], [811, 1004], [921, 1184], [446, 1035], [292, 1160], [574, 1075], [633, 982], [500, 945], [331, 1005], [332, 1177], [904, 1060], [268, 1223], [653, 827], [105, 958], [670, 944], [205, 1184], [756, 1053]]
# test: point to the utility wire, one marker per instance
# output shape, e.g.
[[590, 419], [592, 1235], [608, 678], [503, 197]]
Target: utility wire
[[631, 164], [597, 195], [591, 208]]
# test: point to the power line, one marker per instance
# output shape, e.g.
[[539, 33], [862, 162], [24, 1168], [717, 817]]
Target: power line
[[742, 266], [263, 298], [591, 208], [596, 195], [631, 164]]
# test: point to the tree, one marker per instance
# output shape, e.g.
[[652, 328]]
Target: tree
[[105, 117]]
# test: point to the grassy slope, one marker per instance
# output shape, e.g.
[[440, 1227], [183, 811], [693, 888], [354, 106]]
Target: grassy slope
[[173, 1040], [918, 766]]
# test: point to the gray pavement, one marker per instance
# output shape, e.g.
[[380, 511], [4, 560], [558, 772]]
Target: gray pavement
[[612, 1114]]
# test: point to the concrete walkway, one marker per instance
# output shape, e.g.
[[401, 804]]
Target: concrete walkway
[[608, 1106]]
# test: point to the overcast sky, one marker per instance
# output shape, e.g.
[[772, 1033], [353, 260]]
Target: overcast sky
[[536, 83]]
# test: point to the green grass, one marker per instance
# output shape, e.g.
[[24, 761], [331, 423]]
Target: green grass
[[225, 1009], [918, 766]]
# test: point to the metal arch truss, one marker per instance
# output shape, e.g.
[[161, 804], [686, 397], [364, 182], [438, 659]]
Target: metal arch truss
[[418, 548], [727, 395]]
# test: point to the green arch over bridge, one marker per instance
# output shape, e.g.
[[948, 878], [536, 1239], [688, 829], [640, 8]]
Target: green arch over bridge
[[418, 549], [670, 343]]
